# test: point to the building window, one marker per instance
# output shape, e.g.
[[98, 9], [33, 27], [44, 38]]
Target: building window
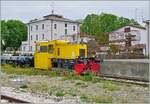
[[42, 26], [24, 48], [43, 48], [31, 48], [127, 29], [36, 37], [31, 28], [31, 37], [65, 25], [74, 28], [43, 36], [65, 31], [36, 27], [55, 26]]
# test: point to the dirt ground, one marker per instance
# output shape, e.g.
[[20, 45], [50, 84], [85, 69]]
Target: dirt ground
[[82, 91]]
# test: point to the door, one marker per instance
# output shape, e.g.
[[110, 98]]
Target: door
[[42, 58]]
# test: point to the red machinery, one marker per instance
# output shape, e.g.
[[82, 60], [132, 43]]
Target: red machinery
[[84, 65]]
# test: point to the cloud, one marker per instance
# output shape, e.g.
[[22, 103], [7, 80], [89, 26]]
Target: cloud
[[27, 10]]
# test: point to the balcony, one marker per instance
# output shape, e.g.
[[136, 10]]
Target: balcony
[[121, 36]]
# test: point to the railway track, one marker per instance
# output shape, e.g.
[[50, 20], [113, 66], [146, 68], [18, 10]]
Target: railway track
[[12, 99], [120, 79], [125, 80]]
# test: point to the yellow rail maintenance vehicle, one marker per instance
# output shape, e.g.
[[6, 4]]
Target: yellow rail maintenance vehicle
[[58, 53]]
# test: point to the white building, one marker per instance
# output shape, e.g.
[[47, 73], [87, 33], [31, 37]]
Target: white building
[[139, 38], [50, 27]]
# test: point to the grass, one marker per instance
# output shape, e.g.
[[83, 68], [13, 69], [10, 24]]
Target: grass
[[10, 69], [66, 75], [80, 83], [96, 99], [40, 87], [84, 98], [60, 93], [72, 76], [101, 99], [96, 79], [72, 93], [23, 86], [109, 85]]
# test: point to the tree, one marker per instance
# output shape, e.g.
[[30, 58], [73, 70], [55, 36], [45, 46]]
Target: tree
[[103, 38], [99, 25], [113, 49], [108, 22], [13, 33], [90, 25], [4, 35]]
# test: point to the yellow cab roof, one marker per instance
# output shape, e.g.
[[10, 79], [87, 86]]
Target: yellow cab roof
[[53, 42]]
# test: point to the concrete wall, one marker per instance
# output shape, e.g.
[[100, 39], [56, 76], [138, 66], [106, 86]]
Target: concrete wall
[[126, 68]]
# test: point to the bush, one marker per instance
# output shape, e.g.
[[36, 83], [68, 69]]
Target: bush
[[60, 93]]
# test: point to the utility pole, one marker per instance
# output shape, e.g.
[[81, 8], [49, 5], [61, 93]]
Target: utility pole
[[147, 22], [52, 5]]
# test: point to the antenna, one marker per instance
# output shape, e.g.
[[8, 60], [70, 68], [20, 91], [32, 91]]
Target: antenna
[[142, 15], [52, 6]]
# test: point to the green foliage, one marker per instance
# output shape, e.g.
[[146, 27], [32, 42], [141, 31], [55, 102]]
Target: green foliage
[[72, 92], [97, 99], [60, 93], [101, 99], [84, 98], [103, 38], [113, 49], [100, 25], [23, 86], [13, 32], [86, 78], [80, 83], [96, 79], [9, 69], [108, 85], [38, 87], [4, 34]]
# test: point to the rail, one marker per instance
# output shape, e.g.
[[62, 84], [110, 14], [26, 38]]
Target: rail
[[12, 99], [125, 80]]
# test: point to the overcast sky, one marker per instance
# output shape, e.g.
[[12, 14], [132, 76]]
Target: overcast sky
[[27, 10]]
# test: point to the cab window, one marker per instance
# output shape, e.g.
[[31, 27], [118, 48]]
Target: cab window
[[43, 48], [82, 52], [50, 48]]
